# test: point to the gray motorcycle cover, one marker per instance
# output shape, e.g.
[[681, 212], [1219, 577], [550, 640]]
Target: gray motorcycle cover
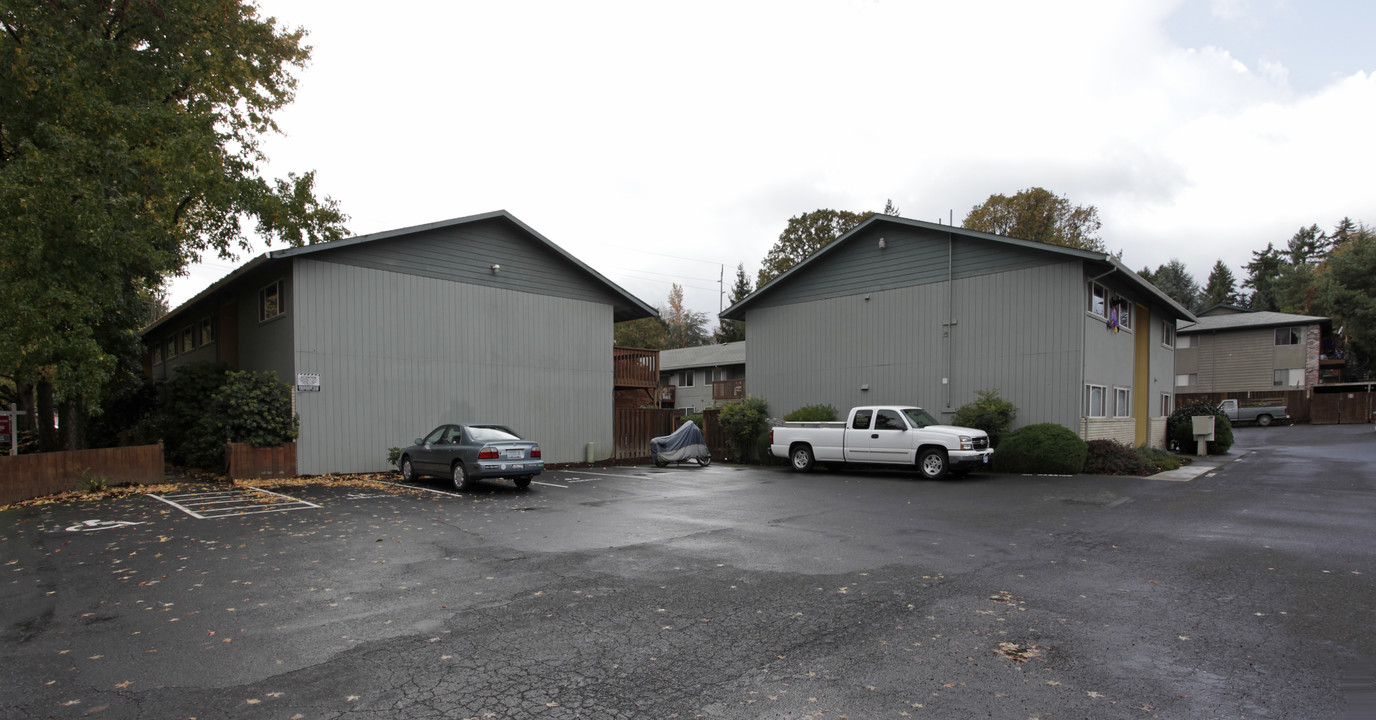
[[685, 443]]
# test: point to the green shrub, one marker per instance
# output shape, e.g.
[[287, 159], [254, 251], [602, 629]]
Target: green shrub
[[741, 424], [1158, 460], [205, 405], [254, 408], [94, 482], [1044, 448], [695, 418], [989, 413], [1180, 429], [812, 413], [393, 456], [181, 410], [1109, 457]]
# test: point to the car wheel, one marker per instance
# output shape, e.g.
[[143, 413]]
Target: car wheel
[[705, 461], [408, 472], [521, 482], [802, 459], [461, 479], [932, 463], [1263, 420]]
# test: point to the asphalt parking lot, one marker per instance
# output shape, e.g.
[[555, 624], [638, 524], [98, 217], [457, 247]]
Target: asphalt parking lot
[[718, 592]]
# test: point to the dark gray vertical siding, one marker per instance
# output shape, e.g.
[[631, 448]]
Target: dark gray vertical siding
[[1017, 331], [267, 345], [466, 253], [398, 354], [910, 257]]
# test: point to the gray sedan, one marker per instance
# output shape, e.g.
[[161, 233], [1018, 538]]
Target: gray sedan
[[466, 453]]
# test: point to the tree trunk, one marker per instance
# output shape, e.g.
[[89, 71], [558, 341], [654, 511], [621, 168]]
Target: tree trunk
[[44, 418], [74, 424]]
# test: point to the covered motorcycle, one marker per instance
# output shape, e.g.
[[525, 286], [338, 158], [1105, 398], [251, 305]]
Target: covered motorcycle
[[682, 445]]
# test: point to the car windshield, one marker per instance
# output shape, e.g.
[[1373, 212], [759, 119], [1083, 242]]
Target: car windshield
[[482, 433], [919, 418]]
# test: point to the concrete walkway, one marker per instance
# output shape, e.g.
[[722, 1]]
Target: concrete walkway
[[1201, 466]]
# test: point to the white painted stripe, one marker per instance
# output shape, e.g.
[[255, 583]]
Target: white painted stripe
[[184, 509], [417, 487], [284, 496]]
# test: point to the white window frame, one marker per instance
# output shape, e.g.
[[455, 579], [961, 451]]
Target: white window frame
[[279, 289], [717, 375], [1090, 390], [1167, 404], [686, 378], [1124, 307], [1168, 334], [1294, 335], [1186, 341], [1122, 402], [1191, 379], [1293, 377], [1098, 298]]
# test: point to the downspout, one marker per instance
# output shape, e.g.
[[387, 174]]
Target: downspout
[[950, 314]]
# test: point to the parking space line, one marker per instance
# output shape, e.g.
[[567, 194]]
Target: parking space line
[[240, 501], [417, 487]]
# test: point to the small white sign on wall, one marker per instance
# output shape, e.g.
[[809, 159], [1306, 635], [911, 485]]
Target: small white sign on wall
[[307, 382]]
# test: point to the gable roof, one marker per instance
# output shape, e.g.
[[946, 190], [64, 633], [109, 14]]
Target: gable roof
[[627, 307], [1248, 320], [732, 353], [1098, 262]]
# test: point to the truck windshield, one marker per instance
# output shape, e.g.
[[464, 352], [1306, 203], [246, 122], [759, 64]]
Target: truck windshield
[[919, 418]]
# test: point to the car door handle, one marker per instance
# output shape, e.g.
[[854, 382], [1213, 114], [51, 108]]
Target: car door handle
[[874, 436]]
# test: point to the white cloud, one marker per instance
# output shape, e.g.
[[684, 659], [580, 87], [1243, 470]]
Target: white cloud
[[631, 132]]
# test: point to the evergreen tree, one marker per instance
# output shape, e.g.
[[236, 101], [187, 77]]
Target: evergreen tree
[[1263, 272], [1177, 282], [1221, 288], [734, 330]]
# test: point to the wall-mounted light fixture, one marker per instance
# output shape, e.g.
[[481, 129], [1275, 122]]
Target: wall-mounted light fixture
[[496, 268], [865, 387], [882, 244]]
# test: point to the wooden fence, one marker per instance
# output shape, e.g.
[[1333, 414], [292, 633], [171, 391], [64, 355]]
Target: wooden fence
[[246, 462], [1332, 408], [38, 474], [634, 429], [713, 436]]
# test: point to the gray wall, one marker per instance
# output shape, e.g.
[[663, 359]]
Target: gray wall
[[466, 253], [699, 396], [1240, 360], [1018, 329], [398, 354]]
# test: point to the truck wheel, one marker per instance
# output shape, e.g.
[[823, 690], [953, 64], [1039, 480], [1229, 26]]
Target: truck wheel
[[801, 458], [1263, 420], [932, 463]]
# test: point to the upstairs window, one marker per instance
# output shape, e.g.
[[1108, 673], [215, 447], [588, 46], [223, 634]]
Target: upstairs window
[[685, 378], [188, 339], [1288, 377], [270, 302], [1098, 300], [1290, 336], [1168, 334], [1120, 311], [206, 330], [1167, 405]]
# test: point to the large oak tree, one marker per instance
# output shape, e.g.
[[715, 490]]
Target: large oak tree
[[130, 141], [1038, 215]]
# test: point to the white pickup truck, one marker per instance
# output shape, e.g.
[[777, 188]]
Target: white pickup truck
[[883, 435]]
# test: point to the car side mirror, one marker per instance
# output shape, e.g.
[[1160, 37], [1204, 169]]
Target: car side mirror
[[418, 441]]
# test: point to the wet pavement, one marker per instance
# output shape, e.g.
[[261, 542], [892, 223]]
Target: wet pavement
[[718, 592]]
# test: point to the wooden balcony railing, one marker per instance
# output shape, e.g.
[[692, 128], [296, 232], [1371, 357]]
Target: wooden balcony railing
[[728, 389], [665, 393], [635, 367]]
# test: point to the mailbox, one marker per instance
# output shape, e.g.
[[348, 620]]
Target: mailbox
[[1203, 427]]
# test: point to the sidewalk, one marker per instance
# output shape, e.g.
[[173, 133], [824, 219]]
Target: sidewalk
[[1200, 466]]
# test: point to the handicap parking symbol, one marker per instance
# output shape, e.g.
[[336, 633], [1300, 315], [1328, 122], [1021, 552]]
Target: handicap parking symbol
[[93, 525]]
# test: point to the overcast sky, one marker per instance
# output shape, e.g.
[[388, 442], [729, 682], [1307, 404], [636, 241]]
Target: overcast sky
[[668, 142]]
